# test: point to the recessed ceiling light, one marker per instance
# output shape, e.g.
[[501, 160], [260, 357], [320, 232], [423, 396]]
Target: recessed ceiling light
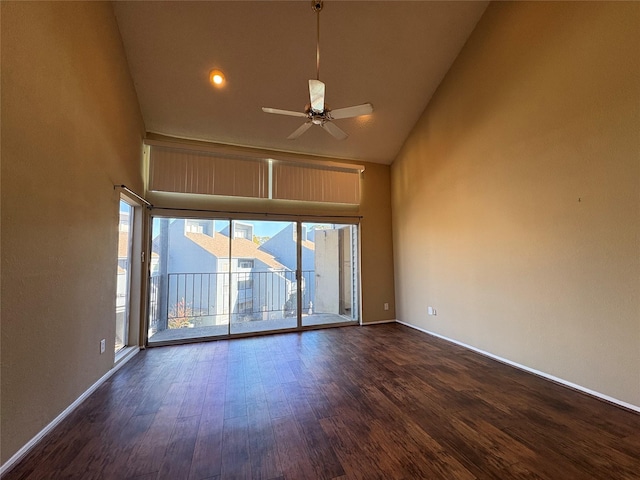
[[216, 77]]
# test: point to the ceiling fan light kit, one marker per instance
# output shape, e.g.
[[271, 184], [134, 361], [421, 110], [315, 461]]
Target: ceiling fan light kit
[[317, 112]]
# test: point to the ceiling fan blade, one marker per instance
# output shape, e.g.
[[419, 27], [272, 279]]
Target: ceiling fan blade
[[348, 112], [283, 112], [316, 95], [301, 129], [334, 130]]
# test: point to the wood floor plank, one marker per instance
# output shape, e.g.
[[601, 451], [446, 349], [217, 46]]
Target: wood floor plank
[[148, 476], [321, 456], [382, 402], [235, 398], [263, 450], [293, 457], [359, 458], [179, 453], [207, 454], [235, 449], [149, 454], [121, 447]]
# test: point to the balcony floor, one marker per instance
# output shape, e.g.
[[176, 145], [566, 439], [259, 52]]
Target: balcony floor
[[243, 328]]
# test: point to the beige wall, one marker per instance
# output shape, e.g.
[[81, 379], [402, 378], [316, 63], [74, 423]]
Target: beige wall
[[516, 199], [375, 227], [71, 128]]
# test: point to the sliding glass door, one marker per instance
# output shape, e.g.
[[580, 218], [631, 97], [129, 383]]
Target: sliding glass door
[[215, 277]]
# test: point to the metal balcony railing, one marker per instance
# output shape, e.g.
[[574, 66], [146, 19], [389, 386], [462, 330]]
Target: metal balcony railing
[[186, 299]]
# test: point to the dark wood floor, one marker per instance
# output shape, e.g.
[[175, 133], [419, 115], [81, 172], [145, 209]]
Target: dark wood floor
[[373, 402]]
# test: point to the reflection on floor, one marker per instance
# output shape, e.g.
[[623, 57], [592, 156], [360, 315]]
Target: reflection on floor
[[171, 335]]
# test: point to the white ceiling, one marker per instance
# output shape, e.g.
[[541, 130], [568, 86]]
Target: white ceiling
[[392, 54]]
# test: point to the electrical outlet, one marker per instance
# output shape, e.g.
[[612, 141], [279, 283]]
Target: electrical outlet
[[431, 311], [386, 306], [103, 346]]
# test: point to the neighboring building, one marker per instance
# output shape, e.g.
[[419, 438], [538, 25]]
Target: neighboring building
[[283, 247]]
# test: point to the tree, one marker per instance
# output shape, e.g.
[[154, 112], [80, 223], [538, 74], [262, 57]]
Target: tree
[[180, 315]]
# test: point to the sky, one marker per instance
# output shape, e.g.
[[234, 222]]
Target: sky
[[261, 228]]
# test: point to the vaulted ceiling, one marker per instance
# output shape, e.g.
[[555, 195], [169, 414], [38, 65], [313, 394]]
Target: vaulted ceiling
[[393, 54]]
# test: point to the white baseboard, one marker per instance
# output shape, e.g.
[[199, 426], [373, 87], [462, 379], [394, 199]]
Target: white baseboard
[[378, 322], [20, 454], [124, 355], [547, 376]]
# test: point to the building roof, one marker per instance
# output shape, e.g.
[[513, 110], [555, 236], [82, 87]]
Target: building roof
[[123, 244], [218, 245]]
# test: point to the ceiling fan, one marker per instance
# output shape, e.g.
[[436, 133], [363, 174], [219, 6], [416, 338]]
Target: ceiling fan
[[317, 112]]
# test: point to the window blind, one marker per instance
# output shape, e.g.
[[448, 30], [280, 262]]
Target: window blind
[[309, 182], [188, 171]]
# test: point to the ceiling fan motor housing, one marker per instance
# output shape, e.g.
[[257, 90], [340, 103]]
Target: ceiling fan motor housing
[[318, 118]]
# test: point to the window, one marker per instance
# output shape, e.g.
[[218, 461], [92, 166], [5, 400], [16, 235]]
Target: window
[[194, 228], [245, 307], [245, 263]]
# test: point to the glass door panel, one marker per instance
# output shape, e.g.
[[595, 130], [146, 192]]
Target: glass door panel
[[262, 289], [125, 232], [189, 279], [329, 274]]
